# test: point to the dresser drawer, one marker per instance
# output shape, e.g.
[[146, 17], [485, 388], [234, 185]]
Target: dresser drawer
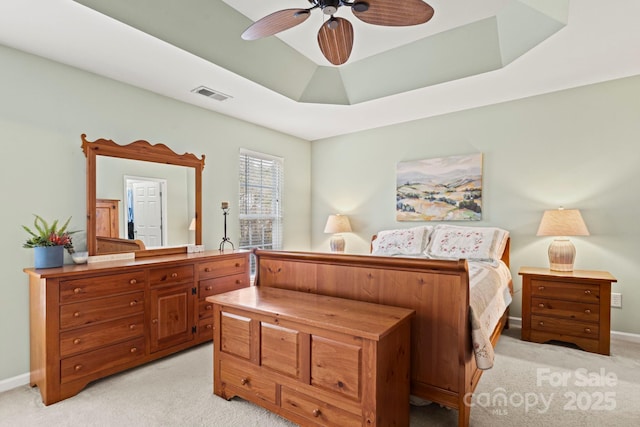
[[101, 286], [170, 275], [220, 285], [247, 380], [222, 267], [90, 337], [566, 291], [99, 310], [205, 309], [205, 328], [317, 411], [567, 309], [565, 327], [76, 367]]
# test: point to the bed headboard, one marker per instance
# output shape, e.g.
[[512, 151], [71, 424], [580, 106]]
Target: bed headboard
[[505, 255]]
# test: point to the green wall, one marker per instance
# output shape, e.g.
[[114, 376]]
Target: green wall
[[576, 148], [46, 106]]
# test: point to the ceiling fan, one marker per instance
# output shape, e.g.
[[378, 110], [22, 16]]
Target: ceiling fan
[[336, 34]]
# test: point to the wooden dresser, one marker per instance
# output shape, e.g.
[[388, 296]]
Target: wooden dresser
[[313, 359], [93, 320], [569, 306]]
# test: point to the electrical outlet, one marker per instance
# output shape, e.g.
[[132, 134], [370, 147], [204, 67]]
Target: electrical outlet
[[616, 300]]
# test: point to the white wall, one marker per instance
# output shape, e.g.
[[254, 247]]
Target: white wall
[[577, 148], [45, 107]]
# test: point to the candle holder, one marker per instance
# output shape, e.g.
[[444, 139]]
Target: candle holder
[[225, 239]]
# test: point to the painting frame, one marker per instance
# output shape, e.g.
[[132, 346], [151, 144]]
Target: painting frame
[[440, 189]]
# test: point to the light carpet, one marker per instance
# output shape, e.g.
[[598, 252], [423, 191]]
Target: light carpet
[[529, 385]]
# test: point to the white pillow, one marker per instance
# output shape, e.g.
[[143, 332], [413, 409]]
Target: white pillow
[[407, 241], [471, 243]]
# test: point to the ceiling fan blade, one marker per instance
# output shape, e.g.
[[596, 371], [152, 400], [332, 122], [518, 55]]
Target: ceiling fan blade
[[336, 40], [393, 13], [275, 22]]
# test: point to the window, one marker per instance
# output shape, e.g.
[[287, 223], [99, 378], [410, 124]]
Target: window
[[260, 204]]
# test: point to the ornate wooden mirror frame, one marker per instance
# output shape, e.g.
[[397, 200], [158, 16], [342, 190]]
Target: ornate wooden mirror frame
[[145, 151]]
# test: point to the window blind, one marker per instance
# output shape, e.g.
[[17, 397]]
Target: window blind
[[260, 204]]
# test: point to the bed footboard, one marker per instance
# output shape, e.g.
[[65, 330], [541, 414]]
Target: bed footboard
[[443, 368]]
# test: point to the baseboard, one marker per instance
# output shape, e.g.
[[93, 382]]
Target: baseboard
[[516, 322], [14, 382]]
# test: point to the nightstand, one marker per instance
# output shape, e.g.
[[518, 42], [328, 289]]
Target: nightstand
[[569, 306]]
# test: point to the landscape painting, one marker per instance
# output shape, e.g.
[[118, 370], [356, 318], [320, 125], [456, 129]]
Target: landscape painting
[[440, 189]]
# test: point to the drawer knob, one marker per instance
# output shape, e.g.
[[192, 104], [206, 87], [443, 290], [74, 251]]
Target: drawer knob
[[316, 412], [77, 367], [541, 288], [587, 311], [132, 326], [76, 341], [237, 264], [77, 290], [208, 288], [174, 275], [587, 292], [133, 349], [244, 381], [132, 303], [76, 314], [154, 321], [133, 281], [207, 269], [209, 326], [238, 281], [587, 330], [209, 307], [541, 323], [541, 305]]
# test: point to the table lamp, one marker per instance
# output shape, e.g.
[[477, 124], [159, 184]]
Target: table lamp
[[562, 223], [337, 224]]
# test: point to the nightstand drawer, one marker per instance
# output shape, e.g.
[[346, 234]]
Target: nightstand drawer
[[565, 327], [567, 309], [565, 291]]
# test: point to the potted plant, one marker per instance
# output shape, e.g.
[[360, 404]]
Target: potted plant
[[49, 242]]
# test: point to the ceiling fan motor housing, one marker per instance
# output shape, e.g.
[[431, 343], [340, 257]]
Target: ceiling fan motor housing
[[329, 7]]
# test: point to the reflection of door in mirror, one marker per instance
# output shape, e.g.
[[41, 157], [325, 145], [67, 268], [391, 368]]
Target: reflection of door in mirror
[[145, 210], [107, 223]]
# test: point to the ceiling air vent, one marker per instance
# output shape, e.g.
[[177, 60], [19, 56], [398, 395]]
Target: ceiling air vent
[[218, 96]]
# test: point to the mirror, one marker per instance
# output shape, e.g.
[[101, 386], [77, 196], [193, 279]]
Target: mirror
[[141, 197]]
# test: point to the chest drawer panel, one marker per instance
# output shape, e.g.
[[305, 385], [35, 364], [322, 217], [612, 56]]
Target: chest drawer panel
[[567, 309], [280, 349], [222, 267], [220, 285], [170, 275], [565, 327], [235, 335], [335, 366], [92, 311], [83, 339], [247, 381], [566, 291], [96, 287], [76, 367], [317, 411]]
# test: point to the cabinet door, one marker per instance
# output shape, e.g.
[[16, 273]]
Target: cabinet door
[[172, 316]]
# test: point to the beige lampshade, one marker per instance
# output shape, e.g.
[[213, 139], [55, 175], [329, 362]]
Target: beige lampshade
[[562, 222], [192, 226], [337, 224]]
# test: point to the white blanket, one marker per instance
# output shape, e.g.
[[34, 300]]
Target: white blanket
[[489, 297]]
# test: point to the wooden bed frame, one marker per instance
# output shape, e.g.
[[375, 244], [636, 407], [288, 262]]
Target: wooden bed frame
[[443, 366]]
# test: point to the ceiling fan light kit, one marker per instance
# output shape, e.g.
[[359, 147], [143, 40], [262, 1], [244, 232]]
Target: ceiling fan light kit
[[335, 36]]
